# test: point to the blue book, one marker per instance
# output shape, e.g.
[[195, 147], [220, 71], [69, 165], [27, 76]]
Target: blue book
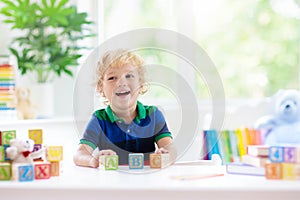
[[212, 143]]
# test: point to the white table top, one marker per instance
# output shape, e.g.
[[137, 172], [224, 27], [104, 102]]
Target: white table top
[[80, 182], [86, 183]]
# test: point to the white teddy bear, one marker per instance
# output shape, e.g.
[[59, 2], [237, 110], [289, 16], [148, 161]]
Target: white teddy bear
[[20, 151]]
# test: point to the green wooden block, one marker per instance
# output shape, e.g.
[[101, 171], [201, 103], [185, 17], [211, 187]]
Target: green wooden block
[[2, 154], [111, 162], [5, 171], [6, 136]]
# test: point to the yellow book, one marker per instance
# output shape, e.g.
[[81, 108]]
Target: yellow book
[[240, 142]]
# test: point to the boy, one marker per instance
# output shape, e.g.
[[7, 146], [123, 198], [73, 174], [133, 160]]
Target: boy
[[125, 125]]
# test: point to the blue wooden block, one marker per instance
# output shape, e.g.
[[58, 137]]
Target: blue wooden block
[[136, 161], [5, 156], [276, 154], [24, 172]]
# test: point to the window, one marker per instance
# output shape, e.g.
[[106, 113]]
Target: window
[[254, 44]]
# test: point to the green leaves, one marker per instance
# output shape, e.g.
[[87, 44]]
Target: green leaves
[[50, 32]]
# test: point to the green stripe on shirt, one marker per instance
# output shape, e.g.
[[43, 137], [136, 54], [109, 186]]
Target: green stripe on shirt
[[163, 135], [88, 143]]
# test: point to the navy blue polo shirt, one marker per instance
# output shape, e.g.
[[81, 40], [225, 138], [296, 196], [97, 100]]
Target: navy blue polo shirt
[[106, 131]]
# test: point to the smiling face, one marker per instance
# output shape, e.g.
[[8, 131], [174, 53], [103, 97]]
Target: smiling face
[[121, 86], [121, 78]]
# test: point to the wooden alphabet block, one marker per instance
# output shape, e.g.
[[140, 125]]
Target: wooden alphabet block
[[5, 156], [55, 168], [273, 171], [5, 171], [42, 170], [2, 154], [6, 136], [159, 160], [54, 153], [276, 154], [36, 135], [37, 147], [109, 162], [23, 172], [290, 171], [136, 161]]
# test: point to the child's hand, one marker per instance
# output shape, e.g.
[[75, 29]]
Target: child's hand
[[107, 152], [94, 161], [161, 151]]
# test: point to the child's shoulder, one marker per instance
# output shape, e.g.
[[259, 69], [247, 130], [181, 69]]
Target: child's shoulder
[[101, 114]]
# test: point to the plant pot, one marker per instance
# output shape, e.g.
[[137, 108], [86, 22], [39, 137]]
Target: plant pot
[[42, 96]]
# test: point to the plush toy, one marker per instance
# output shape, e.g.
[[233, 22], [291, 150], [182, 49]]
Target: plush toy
[[283, 126], [25, 107], [20, 151]]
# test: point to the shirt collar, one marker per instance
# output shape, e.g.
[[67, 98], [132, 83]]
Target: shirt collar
[[141, 113]]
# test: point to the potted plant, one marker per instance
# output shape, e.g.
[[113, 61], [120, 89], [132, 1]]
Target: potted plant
[[50, 30]]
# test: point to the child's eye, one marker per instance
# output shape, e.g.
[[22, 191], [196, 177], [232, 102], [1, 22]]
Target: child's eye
[[129, 76], [112, 78]]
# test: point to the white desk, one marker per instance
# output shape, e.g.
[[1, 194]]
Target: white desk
[[87, 183]]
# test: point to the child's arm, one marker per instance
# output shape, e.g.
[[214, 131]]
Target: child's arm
[[85, 156], [165, 145]]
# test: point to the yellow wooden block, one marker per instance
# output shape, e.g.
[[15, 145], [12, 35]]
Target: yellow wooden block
[[36, 135], [290, 171], [54, 153], [159, 160]]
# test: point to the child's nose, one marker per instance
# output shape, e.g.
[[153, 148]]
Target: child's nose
[[122, 81]]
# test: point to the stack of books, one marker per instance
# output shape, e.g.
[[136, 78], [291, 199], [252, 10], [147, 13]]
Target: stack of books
[[252, 163], [7, 90]]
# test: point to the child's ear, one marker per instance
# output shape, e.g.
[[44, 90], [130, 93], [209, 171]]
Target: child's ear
[[143, 88]]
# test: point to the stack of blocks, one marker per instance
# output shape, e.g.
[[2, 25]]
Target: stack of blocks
[[284, 163], [40, 169], [5, 167], [135, 161]]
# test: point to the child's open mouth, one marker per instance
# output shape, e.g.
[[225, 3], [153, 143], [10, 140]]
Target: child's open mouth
[[123, 93]]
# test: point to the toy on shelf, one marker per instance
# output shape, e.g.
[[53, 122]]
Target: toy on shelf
[[7, 90], [25, 107], [283, 127]]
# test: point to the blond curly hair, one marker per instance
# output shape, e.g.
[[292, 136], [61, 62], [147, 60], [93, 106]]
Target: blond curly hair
[[119, 58]]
